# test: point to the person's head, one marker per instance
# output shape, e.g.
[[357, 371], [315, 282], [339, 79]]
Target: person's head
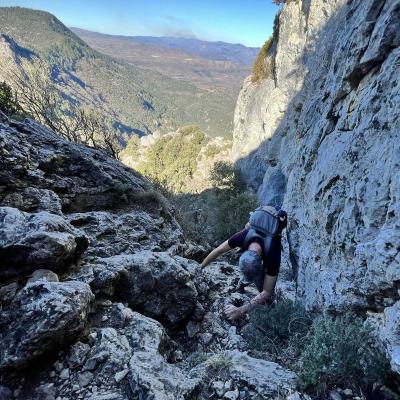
[[250, 264]]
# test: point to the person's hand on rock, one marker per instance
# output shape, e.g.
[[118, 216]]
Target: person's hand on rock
[[232, 312]]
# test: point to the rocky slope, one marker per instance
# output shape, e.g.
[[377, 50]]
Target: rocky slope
[[321, 134], [100, 296]]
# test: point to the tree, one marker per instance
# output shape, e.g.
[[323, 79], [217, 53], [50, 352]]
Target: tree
[[224, 175], [40, 98], [8, 101]]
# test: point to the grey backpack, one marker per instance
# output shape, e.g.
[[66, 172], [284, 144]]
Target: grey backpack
[[267, 223]]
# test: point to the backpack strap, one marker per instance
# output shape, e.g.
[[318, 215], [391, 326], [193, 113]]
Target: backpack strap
[[251, 234]]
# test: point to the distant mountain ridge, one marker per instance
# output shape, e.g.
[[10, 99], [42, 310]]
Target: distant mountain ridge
[[174, 62], [138, 100], [216, 51]]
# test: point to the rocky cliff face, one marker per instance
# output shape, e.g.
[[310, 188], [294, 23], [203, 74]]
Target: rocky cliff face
[[100, 297], [321, 135]]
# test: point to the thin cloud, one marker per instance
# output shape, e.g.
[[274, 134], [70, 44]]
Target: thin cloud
[[172, 26]]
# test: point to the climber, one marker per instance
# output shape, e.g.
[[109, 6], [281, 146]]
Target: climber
[[260, 243]]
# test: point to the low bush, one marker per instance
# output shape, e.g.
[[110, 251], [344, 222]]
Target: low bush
[[325, 351], [342, 352], [224, 175], [279, 331]]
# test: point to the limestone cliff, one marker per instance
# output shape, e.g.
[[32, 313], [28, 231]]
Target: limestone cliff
[[322, 135]]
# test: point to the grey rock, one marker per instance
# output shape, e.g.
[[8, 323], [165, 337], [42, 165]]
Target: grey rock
[[83, 178], [31, 199], [322, 133], [64, 374], [192, 329], [267, 379], [153, 283], [348, 392], [112, 233], [335, 395], [120, 375], [85, 378], [109, 354], [34, 241], [77, 354], [45, 315], [152, 377], [298, 396], [218, 387], [58, 365], [7, 292], [46, 392], [228, 385], [144, 333], [43, 275], [387, 326], [232, 394]]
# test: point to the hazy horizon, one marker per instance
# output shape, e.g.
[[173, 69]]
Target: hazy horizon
[[233, 22]]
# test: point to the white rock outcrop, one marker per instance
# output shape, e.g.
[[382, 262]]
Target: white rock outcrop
[[322, 135]]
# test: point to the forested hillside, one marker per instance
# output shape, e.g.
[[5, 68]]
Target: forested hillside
[[138, 101]]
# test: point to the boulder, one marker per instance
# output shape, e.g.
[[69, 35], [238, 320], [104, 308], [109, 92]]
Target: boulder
[[43, 316], [151, 377], [146, 334], [84, 179], [113, 233], [155, 284], [31, 199], [34, 241], [267, 379]]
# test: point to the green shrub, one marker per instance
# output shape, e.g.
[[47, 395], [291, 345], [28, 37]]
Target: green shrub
[[216, 213], [224, 175], [212, 150], [264, 65], [172, 160], [218, 362], [232, 212], [340, 352], [132, 148], [278, 332], [9, 102], [325, 351]]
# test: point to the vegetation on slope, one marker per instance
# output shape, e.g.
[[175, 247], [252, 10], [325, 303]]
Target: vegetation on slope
[[172, 160], [325, 351], [195, 173], [264, 65], [138, 100]]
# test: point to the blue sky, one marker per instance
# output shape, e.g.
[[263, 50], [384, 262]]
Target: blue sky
[[237, 21]]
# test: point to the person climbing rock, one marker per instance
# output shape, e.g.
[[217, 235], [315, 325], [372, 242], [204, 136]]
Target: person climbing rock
[[260, 242]]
